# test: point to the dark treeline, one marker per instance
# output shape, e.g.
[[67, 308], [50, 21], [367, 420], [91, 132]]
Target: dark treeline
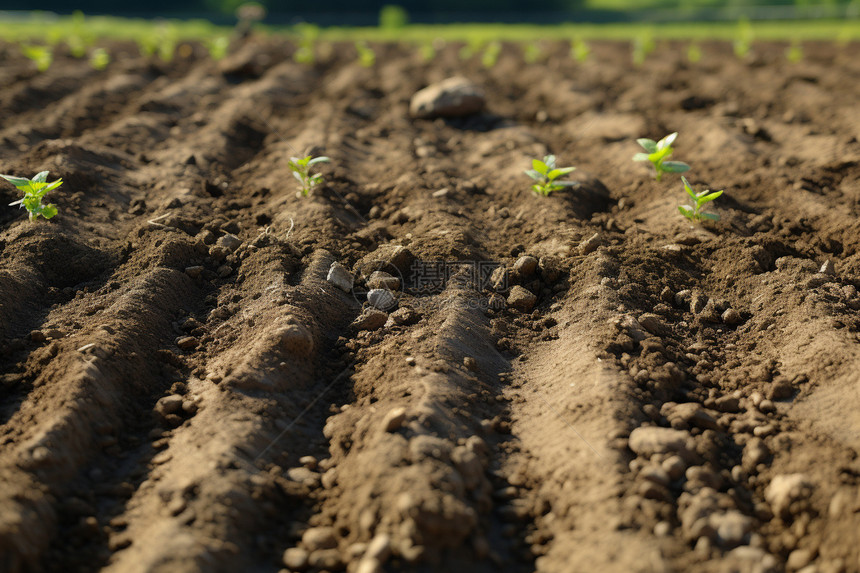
[[370, 8]]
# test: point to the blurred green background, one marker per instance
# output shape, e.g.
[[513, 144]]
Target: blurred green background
[[366, 13]]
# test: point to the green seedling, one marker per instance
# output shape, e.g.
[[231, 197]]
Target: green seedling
[[658, 152], [491, 55], [694, 53], [694, 212], [218, 47], [366, 55], [643, 45], [34, 191], [306, 51], [580, 50], [301, 168], [42, 56], [470, 48], [99, 59], [794, 53], [427, 51], [546, 174], [743, 39], [533, 53]]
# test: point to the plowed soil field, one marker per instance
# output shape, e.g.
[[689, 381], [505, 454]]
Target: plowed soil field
[[184, 390]]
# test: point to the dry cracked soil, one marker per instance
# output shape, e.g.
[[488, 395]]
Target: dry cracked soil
[[579, 382]]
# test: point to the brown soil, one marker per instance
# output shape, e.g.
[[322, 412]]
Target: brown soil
[[170, 406]]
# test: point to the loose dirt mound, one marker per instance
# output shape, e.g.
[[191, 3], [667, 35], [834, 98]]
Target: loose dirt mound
[[582, 382]]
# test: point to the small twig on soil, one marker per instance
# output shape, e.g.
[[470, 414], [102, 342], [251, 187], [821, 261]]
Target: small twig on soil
[[159, 218], [290, 230], [86, 346]]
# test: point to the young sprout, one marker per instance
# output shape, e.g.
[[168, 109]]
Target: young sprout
[[34, 191], [306, 52], [794, 53], [218, 47], [42, 56], [491, 55], [301, 168], [658, 152], [580, 50], [694, 53], [743, 39], [366, 55], [546, 174], [532, 53], [427, 51], [99, 59], [643, 45], [694, 212]]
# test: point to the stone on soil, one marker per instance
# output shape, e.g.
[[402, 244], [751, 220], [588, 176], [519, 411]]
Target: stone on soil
[[521, 299], [453, 97], [370, 319], [340, 277]]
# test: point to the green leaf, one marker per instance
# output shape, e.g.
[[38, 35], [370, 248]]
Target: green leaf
[[686, 211], [41, 177], [298, 176], [540, 166], [53, 185], [555, 173], [18, 182], [710, 216], [667, 141], [565, 183], [689, 189], [534, 175], [675, 167], [648, 145], [705, 198], [319, 160], [641, 157], [550, 161], [49, 211]]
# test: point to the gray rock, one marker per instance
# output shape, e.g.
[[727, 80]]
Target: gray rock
[[521, 299], [229, 242], [453, 97], [169, 405], [590, 244], [370, 319], [526, 266], [404, 316], [731, 317], [653, 324], [383, 280], [381, 298], [340, 277], [195, 271]]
